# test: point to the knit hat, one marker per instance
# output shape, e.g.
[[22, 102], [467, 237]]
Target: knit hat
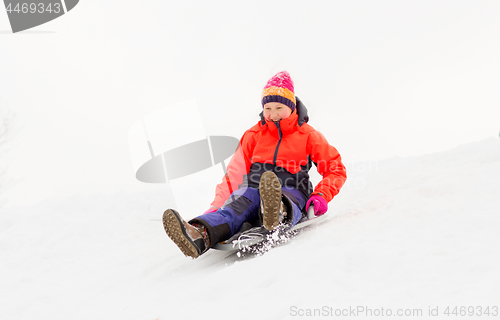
[[280, 89]]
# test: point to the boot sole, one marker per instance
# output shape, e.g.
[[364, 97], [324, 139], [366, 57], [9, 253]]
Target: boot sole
[[172, 223], [270, 196]]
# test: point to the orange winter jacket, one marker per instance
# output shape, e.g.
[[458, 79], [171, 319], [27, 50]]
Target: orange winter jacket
[[288, 148]]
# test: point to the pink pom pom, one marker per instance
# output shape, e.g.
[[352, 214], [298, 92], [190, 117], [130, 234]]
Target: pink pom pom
[[282, 80]]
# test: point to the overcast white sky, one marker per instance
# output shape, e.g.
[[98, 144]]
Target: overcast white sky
[[380, 78]]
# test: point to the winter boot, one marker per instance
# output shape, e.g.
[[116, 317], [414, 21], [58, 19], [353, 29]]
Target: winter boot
[[286, 213], [193, 240], [271, 206]]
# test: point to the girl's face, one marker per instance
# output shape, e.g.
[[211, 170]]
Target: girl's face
[[275, 111]]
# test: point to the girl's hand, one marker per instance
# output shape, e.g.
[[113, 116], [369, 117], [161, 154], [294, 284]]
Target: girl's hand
[[212, 209], [319, 204]]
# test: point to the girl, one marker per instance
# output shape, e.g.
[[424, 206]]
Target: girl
[[267, 178]]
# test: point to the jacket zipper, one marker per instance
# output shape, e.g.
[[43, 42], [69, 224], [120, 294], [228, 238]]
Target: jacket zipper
[[279, 142]]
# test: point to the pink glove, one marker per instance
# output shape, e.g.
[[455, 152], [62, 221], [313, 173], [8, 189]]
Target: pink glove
[[212, 209], [319, 204]]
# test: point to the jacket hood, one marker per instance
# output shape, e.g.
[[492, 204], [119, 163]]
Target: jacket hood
[[301, 113]]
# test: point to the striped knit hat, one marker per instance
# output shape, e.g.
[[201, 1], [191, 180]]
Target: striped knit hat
[[280, 89]]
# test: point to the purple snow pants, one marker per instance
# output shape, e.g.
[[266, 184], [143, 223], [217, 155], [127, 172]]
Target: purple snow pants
[[243, 206]]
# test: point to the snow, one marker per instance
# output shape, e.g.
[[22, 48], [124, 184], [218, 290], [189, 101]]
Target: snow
[[418, 232], [380, 79]]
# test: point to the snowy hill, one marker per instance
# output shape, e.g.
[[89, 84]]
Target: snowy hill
[[404, 234]]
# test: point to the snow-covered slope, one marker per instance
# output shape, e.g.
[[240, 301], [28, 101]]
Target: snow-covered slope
[[404, 233]]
